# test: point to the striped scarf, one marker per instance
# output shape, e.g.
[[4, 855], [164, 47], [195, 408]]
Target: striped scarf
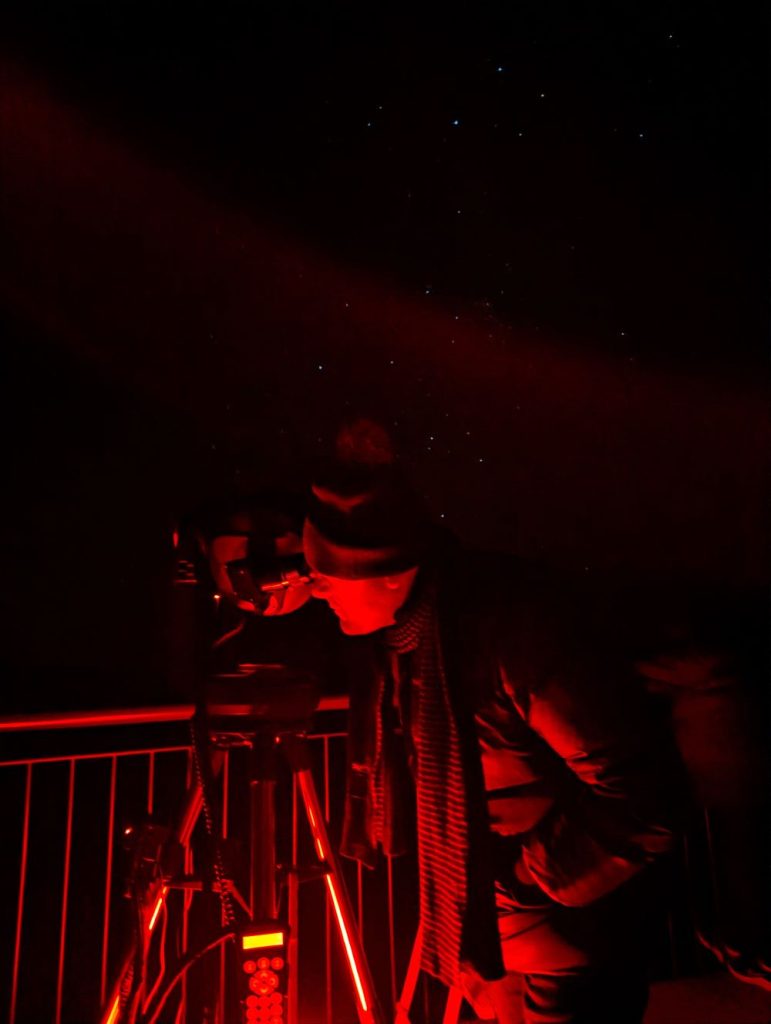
[[443, 812]]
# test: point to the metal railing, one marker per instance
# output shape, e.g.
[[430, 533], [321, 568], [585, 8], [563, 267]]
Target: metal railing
[[73, 782], [67, 812]]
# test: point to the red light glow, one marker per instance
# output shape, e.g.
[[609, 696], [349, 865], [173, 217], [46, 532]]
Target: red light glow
[[114, 1011], [157, 909], [262, 941], [347, 943], [320, 852]]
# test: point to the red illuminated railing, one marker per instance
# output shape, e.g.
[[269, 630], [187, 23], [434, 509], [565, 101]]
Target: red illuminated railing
[[147, 764], [61, 936]]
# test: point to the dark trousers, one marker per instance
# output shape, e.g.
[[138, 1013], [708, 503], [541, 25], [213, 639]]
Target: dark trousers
[[577, 965], [584, 997]]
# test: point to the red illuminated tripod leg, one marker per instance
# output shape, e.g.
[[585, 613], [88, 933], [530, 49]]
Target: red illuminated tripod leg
[[367, 1005]]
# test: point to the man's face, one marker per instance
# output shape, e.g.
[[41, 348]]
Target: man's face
[[364, 606]]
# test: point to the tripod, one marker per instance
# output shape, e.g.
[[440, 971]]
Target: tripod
[[267, 712]]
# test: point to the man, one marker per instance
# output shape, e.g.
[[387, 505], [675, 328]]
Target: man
[[541, 788]]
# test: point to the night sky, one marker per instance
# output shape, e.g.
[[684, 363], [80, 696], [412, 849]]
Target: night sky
[[530, 237]]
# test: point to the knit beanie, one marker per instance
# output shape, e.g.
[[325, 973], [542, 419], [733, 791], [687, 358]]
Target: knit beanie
[[364, 519]]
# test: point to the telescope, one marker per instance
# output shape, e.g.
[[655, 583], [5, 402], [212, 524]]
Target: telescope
[[251, 560]]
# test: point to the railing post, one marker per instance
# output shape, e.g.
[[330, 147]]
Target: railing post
[[65, 892], [22, 889]]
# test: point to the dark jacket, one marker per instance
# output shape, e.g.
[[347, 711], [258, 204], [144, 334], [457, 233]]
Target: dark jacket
[[575, 765]]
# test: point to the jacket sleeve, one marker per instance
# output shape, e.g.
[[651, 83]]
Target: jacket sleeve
[[615, 809]]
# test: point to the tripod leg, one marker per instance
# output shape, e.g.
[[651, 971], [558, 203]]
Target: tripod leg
[[293, 908], [183, 830], [410, 981], [262, 828], [452, 1008], [367, 1006], [454, 996], [194, 803]]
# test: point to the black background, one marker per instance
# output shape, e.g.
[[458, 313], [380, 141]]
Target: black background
[[230, 224]]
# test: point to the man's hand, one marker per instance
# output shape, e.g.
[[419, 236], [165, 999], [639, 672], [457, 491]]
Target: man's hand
[[752, 969]]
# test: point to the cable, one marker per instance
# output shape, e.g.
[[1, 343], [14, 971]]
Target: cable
[[229, 635], [203, 776], [182, 969]]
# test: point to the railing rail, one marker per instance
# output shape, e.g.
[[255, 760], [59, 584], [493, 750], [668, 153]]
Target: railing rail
[[122, 716]]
